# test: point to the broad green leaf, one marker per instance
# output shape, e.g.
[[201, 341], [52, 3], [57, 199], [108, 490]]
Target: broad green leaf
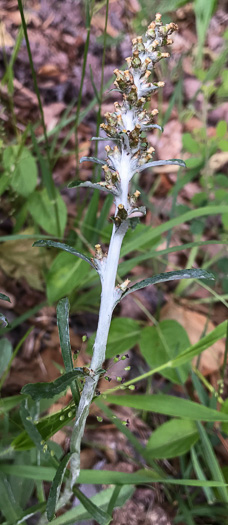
[[169, 405], [46, 426], [172, 439], [65, 248], [102, 517], [190, 144], [48, 390], [63, 308], [22, 169], [56, 486], [4, 297], [9, 508], [170, 162], [159, 344], [94, 186], [221, 129], [42, 209], [169, 276], [123, 335], [64, 276], [6, 351]]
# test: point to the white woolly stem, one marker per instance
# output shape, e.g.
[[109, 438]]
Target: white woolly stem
[[108, 299]]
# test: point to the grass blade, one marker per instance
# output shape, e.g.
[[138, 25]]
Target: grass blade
[[63, 308]]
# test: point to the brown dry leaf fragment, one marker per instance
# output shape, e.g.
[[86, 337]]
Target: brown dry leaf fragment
[[194, 324], [52, 113], [217, 161], [19, 260], [6, 39], [49, 70]]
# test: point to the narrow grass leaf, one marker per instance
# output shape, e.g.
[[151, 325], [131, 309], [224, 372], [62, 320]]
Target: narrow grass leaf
[[212, 462], [39, 391], [9, 508], [63, 308], [169, 276], [204, 343], [152, 233], [201, 476], [65, 247], [101, 500], [102, 517], [172, 439], [7, 403], [168, 405], [56, 486]]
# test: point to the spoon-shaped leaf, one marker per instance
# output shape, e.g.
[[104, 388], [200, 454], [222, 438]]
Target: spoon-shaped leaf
[[4, 297], [95, 186], [171, 162], [48, 390], [93, 159], [54, 244], [169, 276]]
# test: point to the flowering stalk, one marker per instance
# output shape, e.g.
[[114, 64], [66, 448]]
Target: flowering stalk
[[132, 154]]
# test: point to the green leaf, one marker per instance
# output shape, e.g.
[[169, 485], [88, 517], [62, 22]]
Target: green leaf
[[151, 233], [7, 403], [159, 344], [65, 276], [63, 308], [6, 351], [169, 276], [101, 500], [172, 439], [123, 335], [42, 209], [22, 169], [46, 426], [94, 186], [56, 486], [33, 431], [168, 405], [9, 508], [189, 143], [4, 297], [109, 477], [212, 462], [204, 343], [65, 247], [93, 159], [224, 409], [48, 390], [170, 162], [221, 129], [102, 517]]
